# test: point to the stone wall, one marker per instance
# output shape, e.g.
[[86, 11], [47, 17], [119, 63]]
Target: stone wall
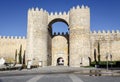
[[109, 44], [9, 45], [81, 44], [37, 36], [61, 15], [49, 56], [79, 20], [59, 49]]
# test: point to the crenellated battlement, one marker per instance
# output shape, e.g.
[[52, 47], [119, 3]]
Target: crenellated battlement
[[112, 35], [64, 34], [79, 7], [38, 13], [58, 13], [44, 11], [58, 33], [12, 37], [106, 32], [80, 16], [37, 10]]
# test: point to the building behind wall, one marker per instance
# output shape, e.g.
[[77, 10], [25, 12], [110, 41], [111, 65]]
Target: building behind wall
[[76, 48]]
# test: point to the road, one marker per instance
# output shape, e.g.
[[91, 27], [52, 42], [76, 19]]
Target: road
[[59, 78], [60, 74]]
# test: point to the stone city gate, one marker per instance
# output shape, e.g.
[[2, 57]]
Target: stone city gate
[[39, 37]]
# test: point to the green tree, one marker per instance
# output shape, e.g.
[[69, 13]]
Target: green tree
[[20, 55], [95, 56], [16, 56], [24, 58], [98, 52]]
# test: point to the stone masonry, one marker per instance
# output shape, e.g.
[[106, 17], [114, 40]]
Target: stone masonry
[[9, 46], [76, 48]]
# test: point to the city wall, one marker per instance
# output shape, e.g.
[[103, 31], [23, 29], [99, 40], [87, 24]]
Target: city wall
[[9, 45], [109, 43], [82, 42]]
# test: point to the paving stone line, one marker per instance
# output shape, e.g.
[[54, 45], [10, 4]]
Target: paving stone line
[[75, 78], [35, 79]]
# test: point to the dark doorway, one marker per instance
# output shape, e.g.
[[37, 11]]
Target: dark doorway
[[60, 61]]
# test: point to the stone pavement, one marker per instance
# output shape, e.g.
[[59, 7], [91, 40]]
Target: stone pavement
[[60, 74], [59, 78], [61, 70]]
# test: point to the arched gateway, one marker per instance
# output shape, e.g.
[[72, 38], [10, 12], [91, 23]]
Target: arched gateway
[[39, 37]]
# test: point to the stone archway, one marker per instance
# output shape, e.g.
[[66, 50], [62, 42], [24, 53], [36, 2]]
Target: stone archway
[[38, 41], [56, 20], [59, 49], [53, 38]]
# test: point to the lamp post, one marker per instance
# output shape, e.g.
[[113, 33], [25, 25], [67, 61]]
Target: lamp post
[[111, 60], [107, 59]]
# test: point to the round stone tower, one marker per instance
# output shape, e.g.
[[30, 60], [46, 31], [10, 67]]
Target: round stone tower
[[37, 36], [79, 22]]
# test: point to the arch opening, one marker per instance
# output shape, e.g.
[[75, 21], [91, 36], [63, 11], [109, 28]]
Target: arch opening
[[57, 20], [60, 61], [58, 27]]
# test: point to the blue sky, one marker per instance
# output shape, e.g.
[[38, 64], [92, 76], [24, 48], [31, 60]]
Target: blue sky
[[105, 14]]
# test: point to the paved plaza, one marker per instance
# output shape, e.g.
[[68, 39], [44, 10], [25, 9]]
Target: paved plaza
[[59, 78], [60, 74]]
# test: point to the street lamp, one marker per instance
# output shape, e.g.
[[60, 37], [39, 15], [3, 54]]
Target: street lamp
[[107, 59], [111, 60]]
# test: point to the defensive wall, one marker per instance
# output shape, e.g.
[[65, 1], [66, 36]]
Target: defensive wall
[[109, 42], [9, 45], [81, 43]]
